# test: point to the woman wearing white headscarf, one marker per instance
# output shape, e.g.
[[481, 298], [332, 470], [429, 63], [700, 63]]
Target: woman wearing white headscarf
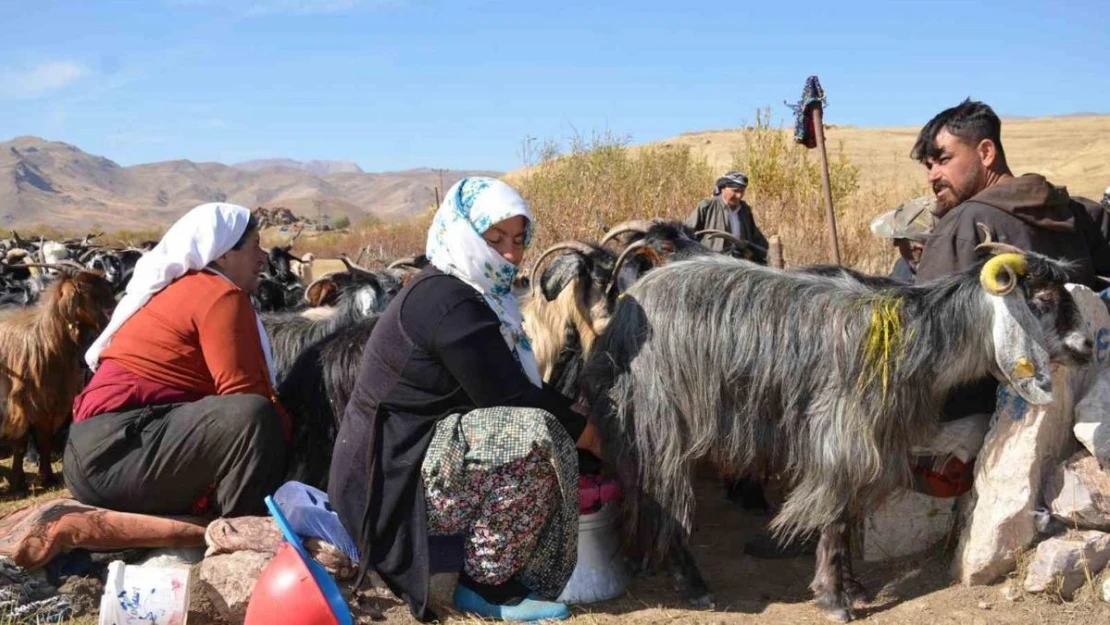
[[181, 416], [451, 432]]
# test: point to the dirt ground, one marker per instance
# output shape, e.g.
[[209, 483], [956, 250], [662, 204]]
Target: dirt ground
[[913, 591]]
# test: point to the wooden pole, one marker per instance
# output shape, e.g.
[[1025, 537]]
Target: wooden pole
[[819, 132], [774, 252]]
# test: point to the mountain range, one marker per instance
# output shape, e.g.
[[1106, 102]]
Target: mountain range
[[52, 183]]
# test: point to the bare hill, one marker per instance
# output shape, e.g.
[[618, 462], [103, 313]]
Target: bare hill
[[1070, 150], [47, 182]]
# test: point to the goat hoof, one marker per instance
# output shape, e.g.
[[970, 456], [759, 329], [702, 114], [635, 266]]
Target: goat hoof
[[704, 602], [855, 590], [49, 481], [17, 487], [839, 615]]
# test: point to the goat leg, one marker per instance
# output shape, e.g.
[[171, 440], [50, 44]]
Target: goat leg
[[17, 482], [690, 581], [855, 589], [828, 585], [45, 444]]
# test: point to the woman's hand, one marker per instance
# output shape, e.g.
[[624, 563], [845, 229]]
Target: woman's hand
[[590, 440]]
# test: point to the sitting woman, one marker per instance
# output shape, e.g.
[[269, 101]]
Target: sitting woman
[[450, 430], [180, 416]]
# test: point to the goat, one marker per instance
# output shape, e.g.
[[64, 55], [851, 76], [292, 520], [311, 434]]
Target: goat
[[41, 364], [330, 289], [316, 391], [291, 332], [826, 381]]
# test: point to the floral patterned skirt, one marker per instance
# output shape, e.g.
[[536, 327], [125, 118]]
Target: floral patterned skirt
[[507, 479]]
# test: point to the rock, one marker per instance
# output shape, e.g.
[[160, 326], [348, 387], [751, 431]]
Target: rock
[[1024, 443], [907, 522], [1078, 493], [1068, 561], [1106, 590], [983, 605], [1092, 413], [84, 594], [226, 582], [1092, 416]]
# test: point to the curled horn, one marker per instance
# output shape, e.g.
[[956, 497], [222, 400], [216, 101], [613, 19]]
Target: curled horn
[[1000, 275], [576, 246], [632, 225], [994, 247], [630, 251]]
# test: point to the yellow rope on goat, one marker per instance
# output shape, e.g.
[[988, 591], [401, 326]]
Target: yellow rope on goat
[[883, 342]]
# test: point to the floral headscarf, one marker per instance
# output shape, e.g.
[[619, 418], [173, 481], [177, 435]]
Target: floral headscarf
[[456, 247]]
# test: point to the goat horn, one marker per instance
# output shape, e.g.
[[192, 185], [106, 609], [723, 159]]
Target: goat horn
[[353, 268], [576, 246], [628, 252], [994, 247], [632, 225], [408, 261], [742, 244], [1009, 265]]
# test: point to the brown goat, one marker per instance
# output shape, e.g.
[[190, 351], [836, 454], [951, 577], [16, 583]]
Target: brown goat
[[41, 356]]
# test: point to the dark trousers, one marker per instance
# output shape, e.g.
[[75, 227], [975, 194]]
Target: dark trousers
[[163, 459]]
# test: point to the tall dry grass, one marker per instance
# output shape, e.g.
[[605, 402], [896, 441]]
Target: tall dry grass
[[600, 181]]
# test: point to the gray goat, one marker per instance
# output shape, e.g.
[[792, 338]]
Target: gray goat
[[826, 380]]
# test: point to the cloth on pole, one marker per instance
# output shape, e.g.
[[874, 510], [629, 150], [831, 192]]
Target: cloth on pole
[[813, 96]]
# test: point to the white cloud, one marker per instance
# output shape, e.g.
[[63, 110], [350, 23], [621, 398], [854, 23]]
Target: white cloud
[[32, 82]]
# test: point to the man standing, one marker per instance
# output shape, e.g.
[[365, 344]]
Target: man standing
[[962, 150], [728, 211], [908, 226]]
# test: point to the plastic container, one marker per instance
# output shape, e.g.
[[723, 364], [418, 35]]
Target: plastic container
[[601, 573], [147, 595], [293, 588]]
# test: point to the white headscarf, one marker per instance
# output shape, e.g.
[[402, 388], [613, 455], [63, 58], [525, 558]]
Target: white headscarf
[[456, 247], [202, 235]]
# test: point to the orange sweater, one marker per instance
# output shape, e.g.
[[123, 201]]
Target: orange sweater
[[198, 335]]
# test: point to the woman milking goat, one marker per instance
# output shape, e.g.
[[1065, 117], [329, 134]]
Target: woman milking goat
[[450, 430], [180, 416]]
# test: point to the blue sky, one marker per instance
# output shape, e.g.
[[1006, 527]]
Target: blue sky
[[395, 84]]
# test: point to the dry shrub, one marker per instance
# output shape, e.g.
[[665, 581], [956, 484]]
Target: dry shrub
[[600, 182], [787, 196], [371, 243]]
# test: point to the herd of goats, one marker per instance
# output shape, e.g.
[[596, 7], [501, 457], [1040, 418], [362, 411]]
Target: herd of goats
[[820, 375]]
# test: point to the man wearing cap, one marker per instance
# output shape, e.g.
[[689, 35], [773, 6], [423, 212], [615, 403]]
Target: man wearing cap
[[908, 226], [728, 211]]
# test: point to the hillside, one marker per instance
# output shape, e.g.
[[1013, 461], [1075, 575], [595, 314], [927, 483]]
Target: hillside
[[1071, 150], [46, 182]]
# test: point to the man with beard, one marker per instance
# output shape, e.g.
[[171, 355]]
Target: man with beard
[[728, 211], [962, 150]]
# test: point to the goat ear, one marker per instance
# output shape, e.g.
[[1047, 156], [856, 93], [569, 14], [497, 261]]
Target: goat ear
[[559, 273], [323, 292]]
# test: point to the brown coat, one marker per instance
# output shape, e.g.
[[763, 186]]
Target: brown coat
[[712, 214], [1025, 211]]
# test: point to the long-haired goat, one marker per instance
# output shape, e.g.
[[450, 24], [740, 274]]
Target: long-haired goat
[[291, 332], [41, 350], [315, 391], [827, 381]]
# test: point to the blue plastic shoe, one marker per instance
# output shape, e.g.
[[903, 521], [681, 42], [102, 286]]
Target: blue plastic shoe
[[466, 600]]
